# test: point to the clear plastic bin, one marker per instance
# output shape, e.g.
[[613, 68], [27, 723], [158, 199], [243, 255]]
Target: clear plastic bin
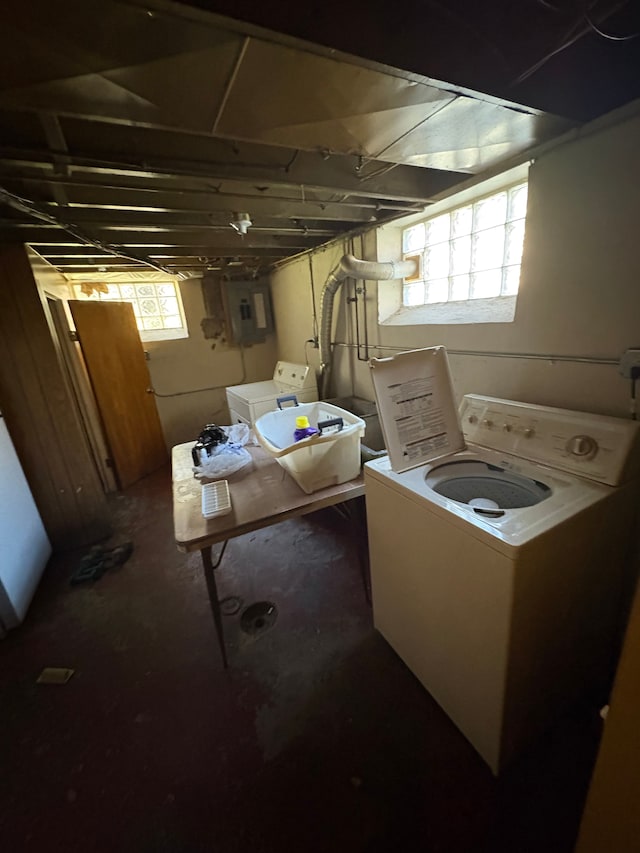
[[326, 459]]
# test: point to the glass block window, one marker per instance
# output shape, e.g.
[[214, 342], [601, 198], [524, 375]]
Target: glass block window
[[471, 252], [156, 305]]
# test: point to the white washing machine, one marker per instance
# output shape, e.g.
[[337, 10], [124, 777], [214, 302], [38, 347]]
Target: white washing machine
[[499, 569], [249, 401]]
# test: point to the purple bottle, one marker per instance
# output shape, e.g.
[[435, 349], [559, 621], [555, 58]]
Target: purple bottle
[[303, 428]]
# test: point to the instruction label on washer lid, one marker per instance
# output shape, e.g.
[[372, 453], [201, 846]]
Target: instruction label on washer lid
[[416, 406]]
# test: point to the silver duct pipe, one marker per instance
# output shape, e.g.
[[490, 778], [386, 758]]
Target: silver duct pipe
[[350, 267]]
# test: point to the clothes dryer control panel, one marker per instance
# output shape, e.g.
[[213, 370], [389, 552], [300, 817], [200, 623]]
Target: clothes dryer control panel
[[250, 401]]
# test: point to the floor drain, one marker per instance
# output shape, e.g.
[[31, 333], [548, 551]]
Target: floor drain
[[258, 617]]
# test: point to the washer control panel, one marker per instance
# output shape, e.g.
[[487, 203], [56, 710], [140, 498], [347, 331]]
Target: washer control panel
[[597, 447], [582, 446]]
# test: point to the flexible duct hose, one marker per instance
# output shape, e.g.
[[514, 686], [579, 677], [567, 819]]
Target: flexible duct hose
[[350, 267]]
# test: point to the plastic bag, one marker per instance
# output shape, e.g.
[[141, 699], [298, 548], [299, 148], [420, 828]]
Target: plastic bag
[[228, 459], [240, 434], [208, 441]]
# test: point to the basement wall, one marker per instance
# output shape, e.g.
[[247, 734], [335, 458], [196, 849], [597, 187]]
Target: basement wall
[[579, 292], [192, 363], [179, 367]]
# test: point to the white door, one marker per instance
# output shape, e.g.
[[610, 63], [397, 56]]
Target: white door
[[24, 545]]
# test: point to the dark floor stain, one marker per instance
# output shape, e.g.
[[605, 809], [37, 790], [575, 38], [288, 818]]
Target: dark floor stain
[[316, 739]]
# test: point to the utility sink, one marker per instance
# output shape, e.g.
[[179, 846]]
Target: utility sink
[[372, 444]]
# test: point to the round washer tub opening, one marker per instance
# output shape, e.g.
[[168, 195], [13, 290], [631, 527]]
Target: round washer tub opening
[[489, 490]]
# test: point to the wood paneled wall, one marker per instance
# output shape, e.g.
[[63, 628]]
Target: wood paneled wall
[[41, 413], [611, 819]]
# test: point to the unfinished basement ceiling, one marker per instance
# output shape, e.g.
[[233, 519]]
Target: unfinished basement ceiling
[[134, 133]]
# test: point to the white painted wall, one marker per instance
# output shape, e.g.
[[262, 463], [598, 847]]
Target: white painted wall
[[185, 364], [194, 362], [579, 293], [293, 300]]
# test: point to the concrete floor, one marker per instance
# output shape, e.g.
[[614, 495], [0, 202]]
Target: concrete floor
[[317, 738]]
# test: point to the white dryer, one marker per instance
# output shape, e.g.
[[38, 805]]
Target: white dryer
[[250, 401], [499, 544]]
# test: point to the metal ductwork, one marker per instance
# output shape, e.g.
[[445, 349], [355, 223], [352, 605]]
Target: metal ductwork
[[350, 267]]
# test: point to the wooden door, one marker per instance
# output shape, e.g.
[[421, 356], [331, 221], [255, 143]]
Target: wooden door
[[120, 378]]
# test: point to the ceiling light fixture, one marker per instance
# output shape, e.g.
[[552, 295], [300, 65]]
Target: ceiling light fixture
[[241, 223]]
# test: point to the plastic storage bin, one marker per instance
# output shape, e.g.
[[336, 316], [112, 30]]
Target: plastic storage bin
[[326, 459]]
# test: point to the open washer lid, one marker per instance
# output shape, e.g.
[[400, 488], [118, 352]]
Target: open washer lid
[[417, 411]]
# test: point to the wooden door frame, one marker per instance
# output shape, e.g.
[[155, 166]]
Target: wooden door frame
[[82, 392]]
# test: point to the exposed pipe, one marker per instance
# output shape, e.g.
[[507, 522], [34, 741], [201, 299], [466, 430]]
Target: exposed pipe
[[612, 361], [350, 267], [25, 206]]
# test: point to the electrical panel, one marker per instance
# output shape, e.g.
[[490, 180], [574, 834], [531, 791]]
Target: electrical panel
[[248, 311]]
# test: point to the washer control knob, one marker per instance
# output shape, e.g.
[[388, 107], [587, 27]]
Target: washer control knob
[[487, 423], [529, 432], [583, 446], [507, 427]]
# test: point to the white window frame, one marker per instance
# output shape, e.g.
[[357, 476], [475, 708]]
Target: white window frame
[[495, 309], [123, 279]]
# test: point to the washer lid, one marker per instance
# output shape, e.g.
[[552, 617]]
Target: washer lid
[[254, 392], [416, 407]]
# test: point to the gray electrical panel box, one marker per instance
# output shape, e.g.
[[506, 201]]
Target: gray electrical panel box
[[248, 309]]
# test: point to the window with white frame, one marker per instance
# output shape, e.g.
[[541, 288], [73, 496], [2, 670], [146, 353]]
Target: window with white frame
[[157, 305], [470, 252]]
